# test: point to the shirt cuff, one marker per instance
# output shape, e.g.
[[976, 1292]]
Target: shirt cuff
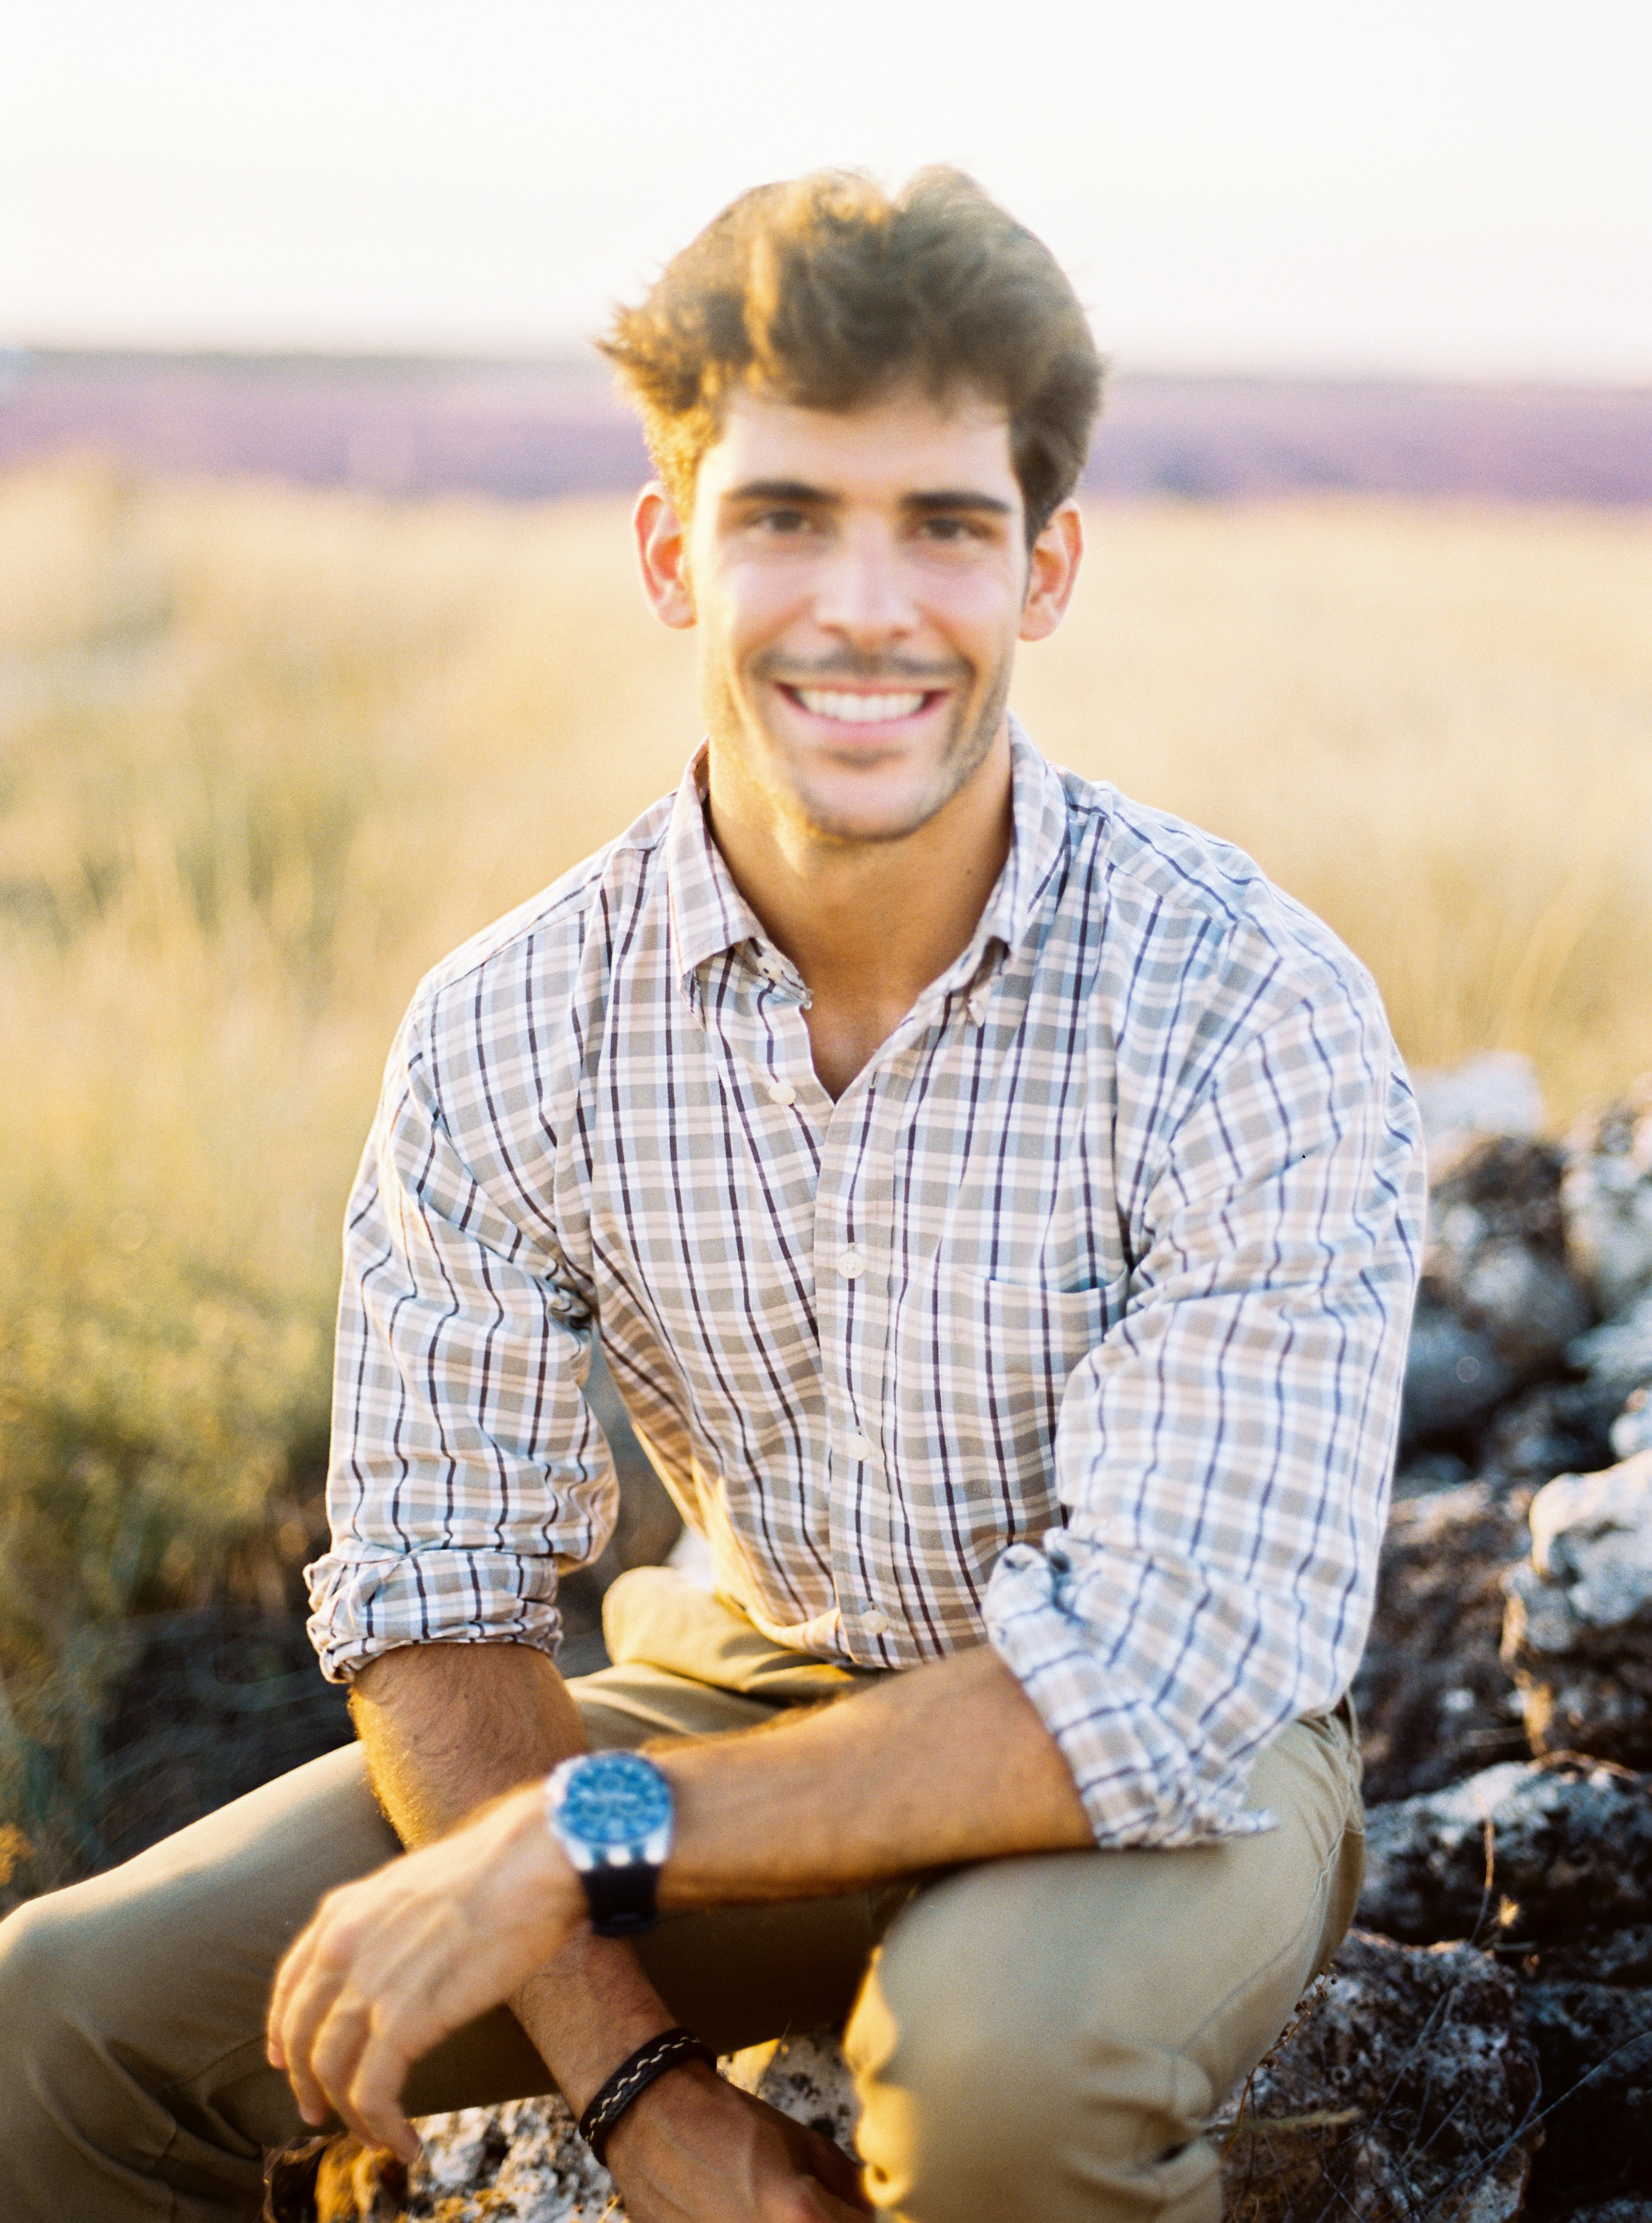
[[1140, 1784], [366, 1603]]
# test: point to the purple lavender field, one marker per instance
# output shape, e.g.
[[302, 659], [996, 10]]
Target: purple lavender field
[[534, 430]]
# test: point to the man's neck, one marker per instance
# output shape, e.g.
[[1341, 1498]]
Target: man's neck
[[869, 924]]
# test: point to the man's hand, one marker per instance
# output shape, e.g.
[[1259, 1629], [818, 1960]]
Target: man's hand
[[391, 1965], [696, 2150]]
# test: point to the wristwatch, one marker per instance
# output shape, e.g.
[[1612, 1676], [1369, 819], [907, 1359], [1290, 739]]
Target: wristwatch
[[612, 1814]]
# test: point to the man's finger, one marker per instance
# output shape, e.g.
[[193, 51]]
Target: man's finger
[[336, 2048], [308, 2007], [325, 1933], [375, 2095]]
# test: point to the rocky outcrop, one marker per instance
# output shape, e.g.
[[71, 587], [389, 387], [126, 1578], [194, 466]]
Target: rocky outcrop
[[526, 2161], [1496, 1093], [1548, 1867], [1434, 1699], [1408, 2088], [1499, 1302], [1524, 1499], [1578, 1634], [1523, 1851], [1607, 1199], [1433, 1695]]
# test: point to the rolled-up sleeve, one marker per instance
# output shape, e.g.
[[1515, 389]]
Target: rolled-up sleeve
[[465, 1464], [1223, 1456]]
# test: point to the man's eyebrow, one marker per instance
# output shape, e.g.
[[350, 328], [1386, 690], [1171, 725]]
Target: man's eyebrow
[[795, 490], [951, 498], [928, 502]]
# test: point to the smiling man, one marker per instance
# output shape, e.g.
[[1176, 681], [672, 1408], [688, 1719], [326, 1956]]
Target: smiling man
[[1000, 1205]]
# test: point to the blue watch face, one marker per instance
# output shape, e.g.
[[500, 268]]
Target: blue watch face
[[615, 1799]]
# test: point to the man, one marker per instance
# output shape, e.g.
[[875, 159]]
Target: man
[[1000, 1205]]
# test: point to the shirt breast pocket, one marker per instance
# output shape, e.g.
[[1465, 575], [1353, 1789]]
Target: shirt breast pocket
[[980, 1367]]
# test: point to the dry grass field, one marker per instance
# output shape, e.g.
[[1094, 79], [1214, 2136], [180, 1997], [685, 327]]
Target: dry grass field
[[266, 754]]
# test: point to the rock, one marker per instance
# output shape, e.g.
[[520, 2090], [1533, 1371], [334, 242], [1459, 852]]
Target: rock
[[526, 2161], [1428, 1471], [1453, 1376], [1568, 1907], [1608, 1199], [1407, 2081], [808, 2079], [1522, 1851], [1408, 2088], [1586, 1999], [1433, 1700], [1594, 2047], [1555, 1428], [1632, 1431], [1495, 1093], [1616, 1359], [1590, 1955], [1499, 1303], [1591, 1550], [1578, 1634], [1574, 1705], [1497, 1248]]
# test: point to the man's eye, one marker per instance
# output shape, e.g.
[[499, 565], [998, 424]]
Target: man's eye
[[781, 520], [947, 528]]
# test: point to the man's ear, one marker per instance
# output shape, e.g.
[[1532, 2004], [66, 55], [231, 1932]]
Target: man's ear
[[1053, 572], [662, 552]]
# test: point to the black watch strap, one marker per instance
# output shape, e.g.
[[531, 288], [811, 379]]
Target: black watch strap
[[633, 2078], [621, 1899]]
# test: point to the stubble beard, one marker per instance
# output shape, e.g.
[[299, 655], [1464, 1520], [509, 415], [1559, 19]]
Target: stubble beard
[[971, 732]]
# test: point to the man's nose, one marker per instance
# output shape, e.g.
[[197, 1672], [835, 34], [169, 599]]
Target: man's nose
[[863, 593]]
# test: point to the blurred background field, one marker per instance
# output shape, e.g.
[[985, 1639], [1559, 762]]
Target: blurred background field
[[267, 752]]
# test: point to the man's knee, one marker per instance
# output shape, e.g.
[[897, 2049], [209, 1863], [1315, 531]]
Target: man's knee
[[53, 2082], [39, 1977], [987, 2085]]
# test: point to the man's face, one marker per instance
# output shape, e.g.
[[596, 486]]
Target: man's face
[[860, 581]]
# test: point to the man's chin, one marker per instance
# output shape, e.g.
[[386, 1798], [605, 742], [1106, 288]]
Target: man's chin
[[839, 814], [885, 803]]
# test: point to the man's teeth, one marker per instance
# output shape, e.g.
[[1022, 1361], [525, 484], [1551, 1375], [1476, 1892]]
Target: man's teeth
[[858, 709]]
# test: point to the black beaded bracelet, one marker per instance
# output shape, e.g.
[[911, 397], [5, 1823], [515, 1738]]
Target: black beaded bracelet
[[633, 2078]]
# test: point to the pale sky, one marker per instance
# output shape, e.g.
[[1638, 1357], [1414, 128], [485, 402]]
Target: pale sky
[[1457, 188]]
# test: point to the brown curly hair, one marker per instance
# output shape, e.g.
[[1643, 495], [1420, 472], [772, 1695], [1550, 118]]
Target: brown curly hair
[[826, 291]]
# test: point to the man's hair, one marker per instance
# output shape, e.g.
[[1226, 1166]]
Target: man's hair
[[829, 292]]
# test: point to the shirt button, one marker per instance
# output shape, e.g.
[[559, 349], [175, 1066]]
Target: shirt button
[[782, 1091], [876, 1623], [851, 1262], [858, 1447]]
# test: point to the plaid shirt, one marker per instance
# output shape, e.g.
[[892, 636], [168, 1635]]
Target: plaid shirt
[[1078, 1323]]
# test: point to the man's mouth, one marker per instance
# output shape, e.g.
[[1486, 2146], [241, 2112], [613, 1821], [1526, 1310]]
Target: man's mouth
[[855, 709]]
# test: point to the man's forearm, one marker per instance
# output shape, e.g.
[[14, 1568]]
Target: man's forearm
[[947, 1763], [447, 1727]]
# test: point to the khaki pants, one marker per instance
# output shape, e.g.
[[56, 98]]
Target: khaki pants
[[1034, 2040]]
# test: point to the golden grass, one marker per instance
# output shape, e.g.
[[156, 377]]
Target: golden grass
[[266, 754]]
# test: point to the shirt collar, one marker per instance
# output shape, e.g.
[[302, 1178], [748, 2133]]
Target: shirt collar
[[709, 915], [708, 912], [1038, 841]]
